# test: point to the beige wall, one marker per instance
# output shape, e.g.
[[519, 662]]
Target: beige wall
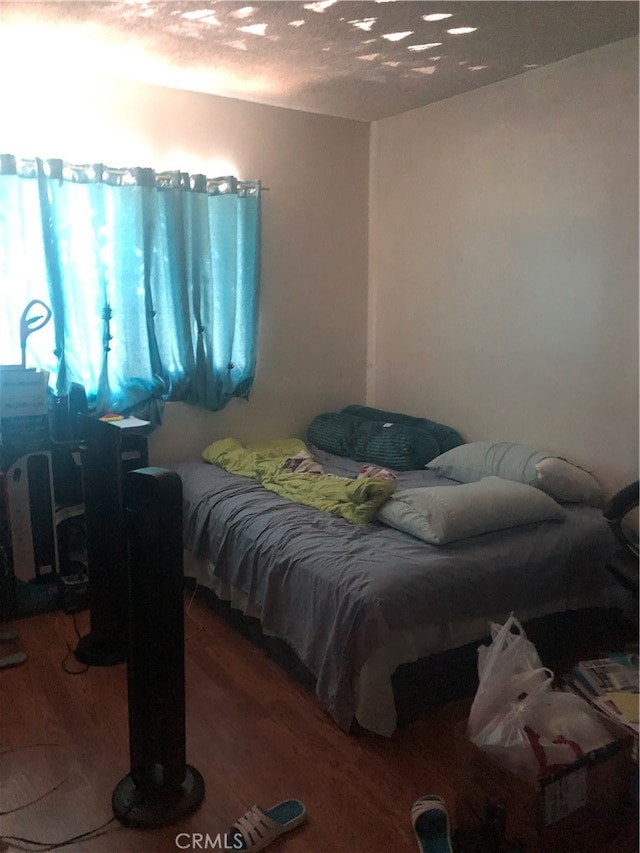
[[504, 261], [312, 345]]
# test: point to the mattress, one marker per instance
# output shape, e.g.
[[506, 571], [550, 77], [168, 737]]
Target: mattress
[[354, 601]]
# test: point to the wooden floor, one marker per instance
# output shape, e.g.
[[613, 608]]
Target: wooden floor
[[254, 734]]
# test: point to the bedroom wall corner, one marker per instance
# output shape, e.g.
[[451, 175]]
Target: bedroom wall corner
[[504, 261]]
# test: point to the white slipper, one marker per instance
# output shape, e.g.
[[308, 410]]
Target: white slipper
[[258, 827], [431, 825]]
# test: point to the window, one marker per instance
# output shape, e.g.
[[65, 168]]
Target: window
[[152, 280]]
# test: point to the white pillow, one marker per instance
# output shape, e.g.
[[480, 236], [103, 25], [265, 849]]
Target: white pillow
[[441, 514], [470, 462], [568, 483]]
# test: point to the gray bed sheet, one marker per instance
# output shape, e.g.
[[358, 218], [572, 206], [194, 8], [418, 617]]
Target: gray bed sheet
[[336, 592]]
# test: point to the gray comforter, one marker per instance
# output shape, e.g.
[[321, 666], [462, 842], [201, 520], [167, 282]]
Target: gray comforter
[[335, 591]]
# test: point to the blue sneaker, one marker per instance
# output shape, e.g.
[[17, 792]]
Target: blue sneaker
[[431, 825]]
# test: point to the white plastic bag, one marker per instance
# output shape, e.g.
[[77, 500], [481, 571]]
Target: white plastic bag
[[509, 667], [517, 717]]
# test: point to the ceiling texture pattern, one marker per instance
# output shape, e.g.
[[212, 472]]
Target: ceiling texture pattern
[[359, 60]]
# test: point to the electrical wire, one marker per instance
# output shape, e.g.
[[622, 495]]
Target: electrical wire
[[71, 652], [56, 845], [46, 793], [47, 845], [200, 626], [75, 625]]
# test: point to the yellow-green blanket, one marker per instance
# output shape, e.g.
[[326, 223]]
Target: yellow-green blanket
[[356, 501]]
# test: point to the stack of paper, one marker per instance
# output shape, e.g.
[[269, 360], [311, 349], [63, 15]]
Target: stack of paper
[[611, 685]]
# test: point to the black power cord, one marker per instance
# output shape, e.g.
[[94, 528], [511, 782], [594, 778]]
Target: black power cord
[[71, 652], [47, 845], [56, 845]]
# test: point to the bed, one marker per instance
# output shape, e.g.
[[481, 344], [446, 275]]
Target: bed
[[356, 601]]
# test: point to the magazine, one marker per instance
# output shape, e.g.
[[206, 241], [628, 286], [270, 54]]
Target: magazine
[[614, 673], [609, 684]]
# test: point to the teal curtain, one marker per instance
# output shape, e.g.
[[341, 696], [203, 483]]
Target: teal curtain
[[153, 280]]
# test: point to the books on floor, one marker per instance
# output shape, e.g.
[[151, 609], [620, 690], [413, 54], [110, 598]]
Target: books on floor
[[616, 672], [610, 684]]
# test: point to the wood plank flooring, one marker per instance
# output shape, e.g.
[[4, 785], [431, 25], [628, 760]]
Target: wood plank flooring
[[254, 734]]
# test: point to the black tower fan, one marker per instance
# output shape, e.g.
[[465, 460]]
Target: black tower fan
[[106, 451], [161, 787]]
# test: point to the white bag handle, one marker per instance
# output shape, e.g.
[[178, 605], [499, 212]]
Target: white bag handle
[[522, 689]]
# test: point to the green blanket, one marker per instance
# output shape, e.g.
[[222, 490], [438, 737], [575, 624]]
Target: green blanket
[[356, 501]]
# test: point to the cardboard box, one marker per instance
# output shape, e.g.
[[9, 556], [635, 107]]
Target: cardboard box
[[584, 800]]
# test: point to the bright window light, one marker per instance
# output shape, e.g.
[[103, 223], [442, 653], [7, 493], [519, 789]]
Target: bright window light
[[365, 24], [211, 19], [419, 47], [460, 31], [436, 16], [237, 44], [320, 6], [245, 12], [254, 29], [196, 14], [397, 36]]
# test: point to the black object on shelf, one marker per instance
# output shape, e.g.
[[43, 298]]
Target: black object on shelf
[[161, 787], [106, 453], [65, 411], [74, 591], [8, 601]]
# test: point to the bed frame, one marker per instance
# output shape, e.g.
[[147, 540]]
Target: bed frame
[[356, 607]]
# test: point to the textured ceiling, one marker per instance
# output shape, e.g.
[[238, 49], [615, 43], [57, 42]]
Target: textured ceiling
[[360, 60]]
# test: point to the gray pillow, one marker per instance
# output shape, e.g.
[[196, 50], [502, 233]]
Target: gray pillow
[[523, 464], [441, 514], [568, 483]]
